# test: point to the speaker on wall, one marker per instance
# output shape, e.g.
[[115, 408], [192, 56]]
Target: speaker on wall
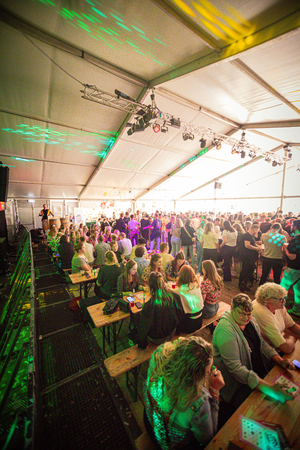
[[4, 177]]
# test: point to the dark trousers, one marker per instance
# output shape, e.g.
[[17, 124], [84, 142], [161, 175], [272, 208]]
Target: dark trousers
[[267, 265], [228, 252], [210, 253], [248, 266]]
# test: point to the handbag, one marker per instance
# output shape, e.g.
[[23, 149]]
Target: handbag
[[110, 306], [73, 305], [123, 305]]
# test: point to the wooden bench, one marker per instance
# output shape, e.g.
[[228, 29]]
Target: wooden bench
[[131, 358]]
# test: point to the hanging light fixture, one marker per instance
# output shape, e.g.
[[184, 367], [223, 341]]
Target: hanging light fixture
[[243, 154], [202, 142], [156, 127]]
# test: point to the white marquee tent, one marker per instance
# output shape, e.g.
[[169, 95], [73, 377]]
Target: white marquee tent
[[221, 67]]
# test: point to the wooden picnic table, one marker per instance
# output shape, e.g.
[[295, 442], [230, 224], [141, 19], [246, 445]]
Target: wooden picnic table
[[82, 279], [260, 407]]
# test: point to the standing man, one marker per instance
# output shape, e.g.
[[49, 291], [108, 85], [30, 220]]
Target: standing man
[[44, 214], [100, 250], [133, 227], [156, 232], [272, 259], [291, 275], [249, 253], [120, 224]]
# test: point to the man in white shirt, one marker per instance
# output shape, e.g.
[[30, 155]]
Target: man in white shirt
[[276, 325], [126, 245]]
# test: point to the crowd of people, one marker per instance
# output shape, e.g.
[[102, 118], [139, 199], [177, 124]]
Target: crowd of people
[[166, 254]]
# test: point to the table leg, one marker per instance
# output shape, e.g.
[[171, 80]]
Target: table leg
[[115, 337], [103, 339]]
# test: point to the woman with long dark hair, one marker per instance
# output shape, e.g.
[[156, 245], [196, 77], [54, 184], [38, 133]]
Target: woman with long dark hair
[[160, 315], [173, 267]]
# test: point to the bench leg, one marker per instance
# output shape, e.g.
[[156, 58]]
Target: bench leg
[[132, 392]]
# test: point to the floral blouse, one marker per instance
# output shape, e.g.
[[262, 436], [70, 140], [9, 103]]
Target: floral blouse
[[209, 293]]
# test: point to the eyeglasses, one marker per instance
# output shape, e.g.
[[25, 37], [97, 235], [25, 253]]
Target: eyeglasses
[[244, 313], [281, 300]]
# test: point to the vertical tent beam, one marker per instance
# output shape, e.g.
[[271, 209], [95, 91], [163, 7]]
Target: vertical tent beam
[[282, 185]]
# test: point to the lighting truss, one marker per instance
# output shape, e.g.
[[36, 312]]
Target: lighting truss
[[125, 103]]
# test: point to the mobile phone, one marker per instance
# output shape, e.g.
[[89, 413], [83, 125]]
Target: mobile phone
[[87, 275], [296, 363], [138, 305], [130, 299]]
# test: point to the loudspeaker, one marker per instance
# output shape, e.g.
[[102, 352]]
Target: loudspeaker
[[218, 185], [4, 177]]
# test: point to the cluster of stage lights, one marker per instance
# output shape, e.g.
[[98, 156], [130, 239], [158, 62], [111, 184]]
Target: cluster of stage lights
[[150, 116]]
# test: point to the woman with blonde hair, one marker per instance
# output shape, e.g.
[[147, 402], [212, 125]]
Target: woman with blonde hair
[[176, 236], [209, 242], [161, 313], [210, 289], [108, 274], [79, 260], [191, 299], [182, 394]]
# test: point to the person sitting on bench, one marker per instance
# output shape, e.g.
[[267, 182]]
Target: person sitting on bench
[[182, 394]]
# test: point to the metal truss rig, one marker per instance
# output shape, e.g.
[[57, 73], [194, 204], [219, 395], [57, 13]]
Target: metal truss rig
[[125, 103]]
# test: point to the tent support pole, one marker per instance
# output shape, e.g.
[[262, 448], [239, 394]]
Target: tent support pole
[[282, 186]]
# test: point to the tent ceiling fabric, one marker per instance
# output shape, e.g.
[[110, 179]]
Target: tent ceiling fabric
[[224, 65]]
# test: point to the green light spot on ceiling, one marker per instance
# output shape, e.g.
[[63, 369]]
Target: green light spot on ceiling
[[159, 41], [108, 45], [76, 14], [145, 37], [83, 25], [158, 62], [106, 31], [99, 12], [88, 18], [113, 31], [90, 3], [101, 37], [117, 40], [141, 53], [123, 26], [132, 44], [96, 19], [116, 17], [23, 159], [138, 29]]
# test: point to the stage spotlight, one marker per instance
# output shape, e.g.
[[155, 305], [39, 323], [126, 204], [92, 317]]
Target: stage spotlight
[[202, 143], [234, 150], [156, 127], [185, 136], [268, 158], [131, 130], [290, 155], [243, 154], [252, 154], [280, 162], [217, 143], [191, 136], [274, 163], [164, 128]]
